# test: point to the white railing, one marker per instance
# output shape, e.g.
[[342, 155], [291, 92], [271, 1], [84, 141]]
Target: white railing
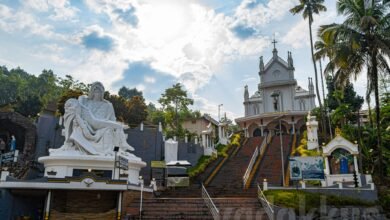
[[250, 166], [268, 207], [256, 154], [210, 204]]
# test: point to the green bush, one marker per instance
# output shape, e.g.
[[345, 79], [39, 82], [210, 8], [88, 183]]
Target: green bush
[[200, 167], [293, 198]]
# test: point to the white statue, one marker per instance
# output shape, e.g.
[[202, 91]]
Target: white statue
[[91, 127]]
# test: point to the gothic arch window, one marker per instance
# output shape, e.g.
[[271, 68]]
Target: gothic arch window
[[276, 74]]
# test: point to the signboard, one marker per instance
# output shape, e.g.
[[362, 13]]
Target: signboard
[[158, 164], [306, 168], [178, 181], [9, 157], [123, 163]]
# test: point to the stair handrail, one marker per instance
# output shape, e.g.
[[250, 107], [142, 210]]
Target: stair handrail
[[259, 150], [210, 204], [250, 166], [268, 207]]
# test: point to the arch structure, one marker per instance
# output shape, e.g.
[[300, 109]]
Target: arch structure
[[13, 123]]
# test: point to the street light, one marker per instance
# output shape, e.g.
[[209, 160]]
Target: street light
[[219, 110], [141, 182]]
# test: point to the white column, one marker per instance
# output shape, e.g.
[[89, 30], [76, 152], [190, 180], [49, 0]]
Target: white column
[[142, 126], [204, 140], [119, 206], [219, 131], [327, 168], [262, 130], [355, 163]]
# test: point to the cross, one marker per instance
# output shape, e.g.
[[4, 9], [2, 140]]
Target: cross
[[274, 42]]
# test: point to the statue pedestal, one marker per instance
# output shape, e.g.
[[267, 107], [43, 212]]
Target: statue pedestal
[[61, 166]]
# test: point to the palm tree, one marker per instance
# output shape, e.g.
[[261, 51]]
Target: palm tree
[[361, 42], [308, 8]]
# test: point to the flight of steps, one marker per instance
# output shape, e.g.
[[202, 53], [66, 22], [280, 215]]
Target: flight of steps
[[270, 166], [225, 189], [228, 181], [195, 208]]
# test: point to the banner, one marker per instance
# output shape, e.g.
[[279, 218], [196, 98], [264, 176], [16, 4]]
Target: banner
[[306, 168]]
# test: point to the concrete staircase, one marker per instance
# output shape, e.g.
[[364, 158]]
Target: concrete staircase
[[228, 181], [225, 189], [271, 166]]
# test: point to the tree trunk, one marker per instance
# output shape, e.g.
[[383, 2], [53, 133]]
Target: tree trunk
[[377, 112], [316, 80]]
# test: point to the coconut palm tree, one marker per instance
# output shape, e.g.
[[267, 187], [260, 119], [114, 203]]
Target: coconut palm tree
[[308, 8], [361, 42]]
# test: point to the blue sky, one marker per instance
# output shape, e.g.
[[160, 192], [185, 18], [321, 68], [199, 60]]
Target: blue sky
[[210, 46]]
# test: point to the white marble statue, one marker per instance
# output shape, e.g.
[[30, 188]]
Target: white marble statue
[[90, 126]]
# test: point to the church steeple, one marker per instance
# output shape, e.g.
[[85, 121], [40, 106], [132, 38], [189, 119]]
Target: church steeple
[[261, 65], [246, 93], [290, 60]]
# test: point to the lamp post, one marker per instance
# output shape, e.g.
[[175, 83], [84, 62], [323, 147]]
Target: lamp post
[[281, 148], [219, 112], [116, 149], [141, 182]]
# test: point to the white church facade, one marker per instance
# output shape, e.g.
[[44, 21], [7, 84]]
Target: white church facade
[[278, 99]]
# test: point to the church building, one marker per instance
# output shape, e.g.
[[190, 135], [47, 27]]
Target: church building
[[278, 100]]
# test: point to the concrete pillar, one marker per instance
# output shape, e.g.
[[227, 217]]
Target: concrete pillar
[[204, 140], [327, 168], [355, 163], [142, 126], [262, 130], [159, 127], [47, 206], [186, 139], [265, 185], [340, 185], [119, 213], [196, 140], [303, 183]]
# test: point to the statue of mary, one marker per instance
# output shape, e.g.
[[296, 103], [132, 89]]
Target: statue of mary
[[90, 126]]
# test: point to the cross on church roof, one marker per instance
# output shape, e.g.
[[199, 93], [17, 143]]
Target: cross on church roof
[[274, 42]]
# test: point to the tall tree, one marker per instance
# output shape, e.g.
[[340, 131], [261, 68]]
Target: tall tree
[[308, 8], [129, 93], [361, 41], [175, 99]]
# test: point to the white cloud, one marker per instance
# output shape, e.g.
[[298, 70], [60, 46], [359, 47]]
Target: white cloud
[[206, 106], [12, 21], [150, 80], [261, 14], [59, 9]]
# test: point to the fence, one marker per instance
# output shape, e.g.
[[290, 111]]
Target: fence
[[268, 207], [210, 204]]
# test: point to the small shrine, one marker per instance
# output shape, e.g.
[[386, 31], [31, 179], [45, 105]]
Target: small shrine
[[341, 164]]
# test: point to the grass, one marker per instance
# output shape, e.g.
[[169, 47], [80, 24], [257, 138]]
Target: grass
[[310, 201]]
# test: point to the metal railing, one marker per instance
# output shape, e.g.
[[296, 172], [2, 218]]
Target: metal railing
[[250, 166], [210, 204], [268, 207], [259, 151]]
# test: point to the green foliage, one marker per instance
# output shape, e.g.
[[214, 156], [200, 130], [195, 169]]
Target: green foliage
[[127, 93], [68, 94], [223, 149], [302, 150], [292, 199], [131, 112], [200, 167], [235, 140]]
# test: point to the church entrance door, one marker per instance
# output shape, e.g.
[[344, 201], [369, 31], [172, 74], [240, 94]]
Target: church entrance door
[[257, 132]]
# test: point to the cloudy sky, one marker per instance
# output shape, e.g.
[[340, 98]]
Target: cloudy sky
[[210, 46]]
